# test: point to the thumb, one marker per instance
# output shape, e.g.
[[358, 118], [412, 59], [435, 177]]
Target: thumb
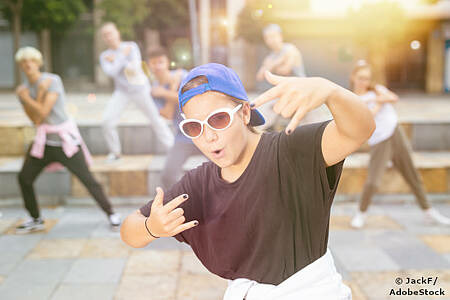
[[272, 78], [158, 201]]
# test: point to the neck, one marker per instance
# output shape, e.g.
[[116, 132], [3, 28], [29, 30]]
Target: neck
[[32, 78], [277, 48], [360, 91], [115, 46], [233, 172], [163, 77]]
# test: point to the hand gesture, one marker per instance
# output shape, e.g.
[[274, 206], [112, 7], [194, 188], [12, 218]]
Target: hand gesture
[[296, 96], [110, 57], [44, 85], [158, 92], [168, 220], [22, 91], [126, 50]]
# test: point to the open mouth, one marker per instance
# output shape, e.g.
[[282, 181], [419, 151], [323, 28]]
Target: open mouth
[[218, 153]]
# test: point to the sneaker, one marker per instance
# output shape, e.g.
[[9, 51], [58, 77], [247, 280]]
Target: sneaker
[[358, 220], [31, 225], [112, 157], [115, 220], [434, 216]]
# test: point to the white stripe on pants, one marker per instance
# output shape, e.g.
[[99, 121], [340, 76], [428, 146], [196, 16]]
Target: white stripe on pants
[[145, 103]]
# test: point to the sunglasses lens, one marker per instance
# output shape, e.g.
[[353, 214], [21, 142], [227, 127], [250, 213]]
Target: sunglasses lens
[[219, 120], [192, 129]]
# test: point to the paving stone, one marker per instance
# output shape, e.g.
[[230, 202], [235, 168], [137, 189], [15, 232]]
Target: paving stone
[[57, 248], [37, 272], [439, 243], [84, 291], [144, 262], [145, 287], [73, 227], [5, 224], [190, 264], [201, 287], [13, 249], [357, 293], [20, 291], [95, 270], [372, 222], [105, 248], [419, 255], [364, 258]]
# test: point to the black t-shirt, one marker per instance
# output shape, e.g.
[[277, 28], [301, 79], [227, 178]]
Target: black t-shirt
[[273, 220]]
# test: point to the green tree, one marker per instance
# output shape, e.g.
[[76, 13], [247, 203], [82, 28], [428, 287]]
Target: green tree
[[39, 15], [126, 14], [167, 14]]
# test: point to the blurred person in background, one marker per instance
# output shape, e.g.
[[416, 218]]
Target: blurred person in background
[[165, 93], [122, 62], [387, 144], [57, 139], [284, 59]]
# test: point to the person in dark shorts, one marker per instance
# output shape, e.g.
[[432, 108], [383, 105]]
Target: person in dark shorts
[[258, 213]]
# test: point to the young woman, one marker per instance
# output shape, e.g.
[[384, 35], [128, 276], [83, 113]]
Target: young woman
[[258, 213], [387, 143], [57, 138]]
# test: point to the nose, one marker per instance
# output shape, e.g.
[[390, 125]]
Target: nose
[[209, 134]]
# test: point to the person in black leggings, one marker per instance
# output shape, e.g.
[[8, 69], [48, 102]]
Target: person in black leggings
[[42, 96]]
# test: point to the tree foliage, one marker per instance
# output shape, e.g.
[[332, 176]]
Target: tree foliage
[[56, 15]]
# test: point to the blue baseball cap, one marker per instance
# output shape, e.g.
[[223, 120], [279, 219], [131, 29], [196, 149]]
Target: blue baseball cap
[[220, 79]]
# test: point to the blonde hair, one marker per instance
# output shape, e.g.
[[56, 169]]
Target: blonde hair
[[29, 53]]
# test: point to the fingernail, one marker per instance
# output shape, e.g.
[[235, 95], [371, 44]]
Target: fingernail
[[289, 131], [195, 223], [252, 104], [185, 196]]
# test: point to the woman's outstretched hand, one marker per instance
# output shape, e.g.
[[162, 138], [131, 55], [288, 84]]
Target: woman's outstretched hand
[[168, 220], [296, 96]]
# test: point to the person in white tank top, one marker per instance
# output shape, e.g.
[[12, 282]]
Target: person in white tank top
[[387, 144]]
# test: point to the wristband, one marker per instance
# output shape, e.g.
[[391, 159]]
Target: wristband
[[148, 230]]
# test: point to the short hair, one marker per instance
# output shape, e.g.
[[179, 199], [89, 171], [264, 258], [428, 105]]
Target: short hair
[[29, 53], [156, 52], [272, 27]]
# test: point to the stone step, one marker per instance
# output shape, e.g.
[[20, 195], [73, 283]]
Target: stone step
[[139, 175]]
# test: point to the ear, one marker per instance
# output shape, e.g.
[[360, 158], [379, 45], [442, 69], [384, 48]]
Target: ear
[[246, 112]]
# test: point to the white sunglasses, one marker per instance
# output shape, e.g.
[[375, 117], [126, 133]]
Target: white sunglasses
[[219, 119]]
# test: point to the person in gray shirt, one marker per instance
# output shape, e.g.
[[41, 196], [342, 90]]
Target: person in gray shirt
[[42, 96]]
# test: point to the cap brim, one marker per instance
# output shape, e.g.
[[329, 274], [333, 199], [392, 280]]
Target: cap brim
[[256, 118]]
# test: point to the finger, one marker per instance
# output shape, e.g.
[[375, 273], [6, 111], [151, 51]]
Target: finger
[[158, 201], [267, 96], [175, 223], [175, 214], [290, 109], [175, 203], [184, 227], [273, 79], [286, 98], [300, 113]]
